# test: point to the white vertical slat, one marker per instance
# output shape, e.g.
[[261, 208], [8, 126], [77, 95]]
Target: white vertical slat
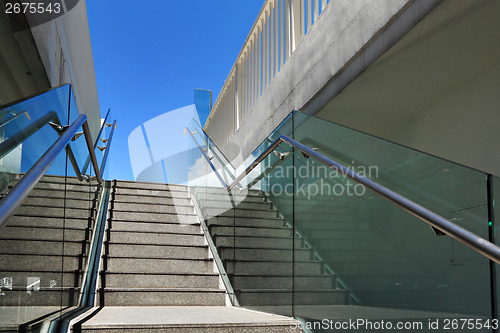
[[316, 10], [265, 38], [309, 14], [289, 30], [276, 44], [323, 5], [259, 61], [281, 31], [273, 42], [302, 20]]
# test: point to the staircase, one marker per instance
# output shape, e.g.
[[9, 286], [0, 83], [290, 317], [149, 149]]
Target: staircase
[[157, 273], [43, 250], [255, 244]]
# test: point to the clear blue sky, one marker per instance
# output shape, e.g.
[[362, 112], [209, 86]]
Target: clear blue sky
[[150, 55]]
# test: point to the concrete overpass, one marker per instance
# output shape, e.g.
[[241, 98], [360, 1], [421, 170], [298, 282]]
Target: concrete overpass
[[421, 73]]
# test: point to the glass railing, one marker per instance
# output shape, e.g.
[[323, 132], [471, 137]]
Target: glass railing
[[303, 239], [44, 246]]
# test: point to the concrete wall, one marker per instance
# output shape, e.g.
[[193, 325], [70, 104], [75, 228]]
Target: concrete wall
[[346, 39], [66, 53]]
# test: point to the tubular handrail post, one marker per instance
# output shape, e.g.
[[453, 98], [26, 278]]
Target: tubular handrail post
[[18, 193], [105, 157], [208, 160], [90, 146], [87, 161], [471, 240]]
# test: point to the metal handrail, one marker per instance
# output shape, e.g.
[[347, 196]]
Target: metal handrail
[[87, 161], [105, 157], [16, 196], [473, 241]]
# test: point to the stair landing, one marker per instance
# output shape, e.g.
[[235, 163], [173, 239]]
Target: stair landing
[[186, 319]]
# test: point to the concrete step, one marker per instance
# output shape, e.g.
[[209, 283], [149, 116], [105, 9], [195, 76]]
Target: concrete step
[[141, 280], [122, 198], [152, 208], [49, 222], [326, 245], [187, 319], [334, 235], [284, 297], [156, 251], [10, 232], [65, 179], [155, 227], [264, 254], [222, 191], [163, 265], [43, 247], [84, 187], [260, 205], [36, 211], [38, 263], [55, 278], [226, 198], [247, 231], [277, 282], [182, 194], [246, 222], [162, 297], [60, 202], [256, 242], [153, 238], [239, 213], [42, 297], [155, 217], [61, 194], [271, 268], [123, 184]]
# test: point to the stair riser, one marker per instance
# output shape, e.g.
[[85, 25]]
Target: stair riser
[[68, 187], [156, 239], [264, 255], [305, 298], [68, 279], [122, 198], [273, 268], [276, 282], [62, 180], [40, 298], [160, 281], [163, 298], [164, 266], [54, 212], [43, 233], [155, 227], [148, 208], [157, 251], [245, 205], [154, 193], [41, 247], [152, 217], [49, 222], [250, 242], [246, 222], [124, 185], [37, 263], [256, 232], [61, 194], [221, 191], [240, 213], [53, 202]]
